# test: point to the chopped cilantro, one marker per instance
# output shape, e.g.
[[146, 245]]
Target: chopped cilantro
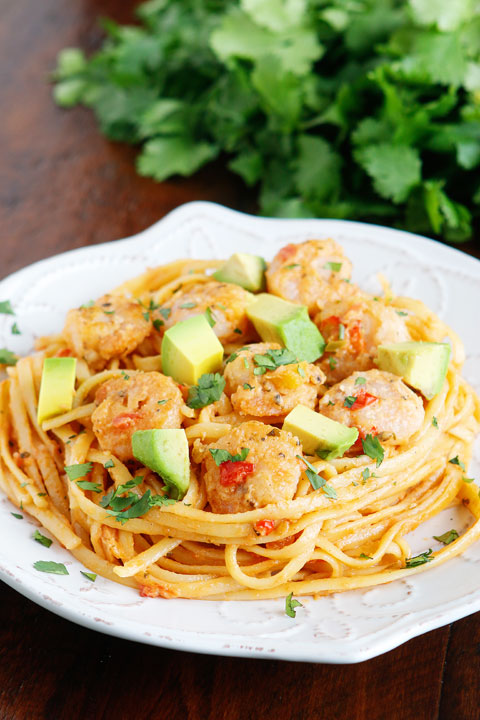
[[75, 472], [47, 566], [456, 461], [246, 363], [112, 312], [365, 475], [188, 305], [209, 390], [365, 557], [349, 401], [360, 381], [15, 329], [290, 605], [88, 304], [7, 357], [246, 386], [232, 357], [467, 480], [162, 402], [87, 485], [372, 448], [123, 505], [401, 313], [109, 464], [333, 266], [291, 266], [6, 308], [273, 359], [157, 323], [420, 559], [221, 456], [332, 363], [316, 480], [434, 422], [165, 312], [17, 515], [210, 317], [238, 331], [447, 537], [90, 576], [301, 371], [45, 541]]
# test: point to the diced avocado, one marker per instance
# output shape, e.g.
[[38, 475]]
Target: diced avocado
[[423, 365], [245, 270], [278, 320], [57, 387], [165, 451], [318, 434], [190, 349]]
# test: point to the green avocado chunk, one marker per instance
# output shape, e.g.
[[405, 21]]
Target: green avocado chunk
[[423, 365], [318, 434], [245, 270], [278, 320], [165, 451], [57, 387], [190, 349]]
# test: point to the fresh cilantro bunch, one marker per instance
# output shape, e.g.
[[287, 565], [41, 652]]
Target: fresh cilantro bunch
[[365, 109]]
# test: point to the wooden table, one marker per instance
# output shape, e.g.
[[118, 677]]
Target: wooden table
[[63, 186]]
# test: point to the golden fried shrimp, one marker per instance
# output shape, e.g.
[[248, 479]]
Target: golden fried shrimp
[[111, 328], [136, 401], [274, 393], [226, 302], [269, 473], [303, 273], [376, 403], [353, 329]]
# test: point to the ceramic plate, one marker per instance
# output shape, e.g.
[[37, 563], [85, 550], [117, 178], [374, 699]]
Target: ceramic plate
[[341, 628]]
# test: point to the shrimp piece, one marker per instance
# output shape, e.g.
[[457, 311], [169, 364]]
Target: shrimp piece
[[357, 326], [269, 474], [385, 406], [274, 393], [139, 401], [302, 273], [113, 327], [227, 304]]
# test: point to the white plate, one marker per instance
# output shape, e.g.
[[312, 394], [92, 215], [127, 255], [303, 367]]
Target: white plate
[[342, 628]]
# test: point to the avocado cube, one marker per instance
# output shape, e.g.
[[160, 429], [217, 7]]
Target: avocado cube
[[318, 434], [57, 387], [165, 451], [245, 270], [423, 365], [278, 320], [190, 349]]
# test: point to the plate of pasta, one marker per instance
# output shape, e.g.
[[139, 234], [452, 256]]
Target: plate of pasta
[[245, 436]]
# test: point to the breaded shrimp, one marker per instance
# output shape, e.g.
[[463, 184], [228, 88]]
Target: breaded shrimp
[[303, 273], [136, 401], [225, 302], [275, 392], [383, 406], [113, 327], [269, 473]]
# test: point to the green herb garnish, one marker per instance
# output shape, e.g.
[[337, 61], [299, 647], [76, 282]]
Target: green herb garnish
[[360, 381], [316, 480], [75, 472], [221, 456], [7, 357], [90, 576], [456, 461], [6, 308], [208, 390], [48, 566], [109, 464], [17, 515], [87, 485], [372, 448], [290, 605], [349, 401], [210, 318], [419, 559], [434, 422], [447, 537], [188, 305], [45, 541]]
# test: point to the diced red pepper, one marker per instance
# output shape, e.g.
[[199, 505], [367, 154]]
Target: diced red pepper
[[357, 446], [235, 473], [363, 399], [357, 341], [331, 320], [66, 352], [265, 527], [286, 252], [125, 420]]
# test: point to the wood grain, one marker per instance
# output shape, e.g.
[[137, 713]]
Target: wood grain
[[63, 186]]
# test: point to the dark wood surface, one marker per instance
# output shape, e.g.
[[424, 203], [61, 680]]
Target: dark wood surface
[[62, 186]]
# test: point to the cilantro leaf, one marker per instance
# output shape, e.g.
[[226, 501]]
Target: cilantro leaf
[[208, 390], [447, 537], [7, 357], [90, 576], [6, 307], [349, 401], [45, 541], [221, 456], [372, 448], [290, 605], [87, 485], [420, 559], [78, 471], [316, 480], [333, 266], [210, 317], [163, 157], [456, 461], [17, 515], [48, 566], [394, 169]]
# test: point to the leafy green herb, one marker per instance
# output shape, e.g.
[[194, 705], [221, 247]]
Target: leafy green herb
[[456, 461], [401, 313], [162, 402], [232, 357], [447, 537], [210, 317], [246, 363], [332, 363], [45, 541], [88, 304], [188, 305], [123, 505], [157, 323], [246, 386], [109, 464], [419, 559], [360, 381], [301, 371], [78, 471], [48, 566], [365, 557], [434, 422], [112, 312], [316, 480], [209, 390], [365, 475], [467, 480], [17, 515], [290, 605], [291, 266], [87, 485], [341, 331], [273, 359], [333, 266], [125, 375], [75, 472], [165, 312], [221, 456], [6, 308], [372, 448], [349, 401], [238, 331], [90, 576], [7, 357], [15, 329]]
